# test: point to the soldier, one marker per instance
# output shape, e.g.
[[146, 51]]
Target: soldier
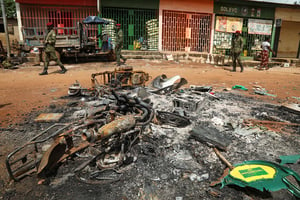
[[119, 44], [236, 49], [50, 50]]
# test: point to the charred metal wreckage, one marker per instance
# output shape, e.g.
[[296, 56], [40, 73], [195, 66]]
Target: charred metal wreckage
[[109, 130], [119, 111]]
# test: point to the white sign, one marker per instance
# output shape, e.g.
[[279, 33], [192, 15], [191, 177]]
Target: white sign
[[260, 27]]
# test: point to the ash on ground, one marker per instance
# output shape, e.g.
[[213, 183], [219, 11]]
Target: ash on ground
[[167, 163]]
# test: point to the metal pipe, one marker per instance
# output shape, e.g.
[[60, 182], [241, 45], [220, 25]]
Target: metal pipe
[[119, 125]]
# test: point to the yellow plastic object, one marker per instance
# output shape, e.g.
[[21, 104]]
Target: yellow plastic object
[[250, 173]]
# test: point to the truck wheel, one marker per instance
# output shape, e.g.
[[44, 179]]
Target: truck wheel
[[111, 56], [44, 55]]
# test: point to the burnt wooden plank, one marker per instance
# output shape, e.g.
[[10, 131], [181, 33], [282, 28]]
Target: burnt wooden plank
[[210, 136]]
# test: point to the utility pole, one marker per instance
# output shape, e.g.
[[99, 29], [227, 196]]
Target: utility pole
[[5, 28]]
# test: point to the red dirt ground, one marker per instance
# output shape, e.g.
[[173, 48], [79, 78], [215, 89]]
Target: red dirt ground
[[23, 90]]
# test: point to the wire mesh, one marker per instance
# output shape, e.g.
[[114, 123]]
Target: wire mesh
[[134, 23], [62, 17], [186, 31]]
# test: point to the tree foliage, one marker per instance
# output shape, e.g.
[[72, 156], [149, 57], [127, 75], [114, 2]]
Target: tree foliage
[[10, 8]]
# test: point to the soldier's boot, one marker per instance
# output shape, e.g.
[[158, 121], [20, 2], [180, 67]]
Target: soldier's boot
[[124, 59], [233, 67], [44, 72], [242, 68], [63, 69]]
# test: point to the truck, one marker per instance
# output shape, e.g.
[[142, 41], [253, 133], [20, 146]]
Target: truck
[[83, 40]]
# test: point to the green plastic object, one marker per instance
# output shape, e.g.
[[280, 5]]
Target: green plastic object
[[264, 92], [263, 175], [240, 87], [290, 159]]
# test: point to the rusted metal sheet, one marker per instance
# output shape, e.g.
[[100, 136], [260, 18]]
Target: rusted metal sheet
[[120, 77], [24, 160], [58, 152], [49, 117]]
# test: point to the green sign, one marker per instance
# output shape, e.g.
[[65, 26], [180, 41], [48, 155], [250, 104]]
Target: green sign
[[244, 11], [258, 171]]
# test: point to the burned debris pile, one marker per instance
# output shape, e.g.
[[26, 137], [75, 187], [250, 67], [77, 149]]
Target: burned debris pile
[[164, 137]]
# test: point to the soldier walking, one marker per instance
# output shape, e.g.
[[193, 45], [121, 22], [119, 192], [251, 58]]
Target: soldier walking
[[50, 50], [236, 49], [119, 45]]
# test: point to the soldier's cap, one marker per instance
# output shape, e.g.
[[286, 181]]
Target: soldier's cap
[[49, 24], [239, 32], [118, 24]]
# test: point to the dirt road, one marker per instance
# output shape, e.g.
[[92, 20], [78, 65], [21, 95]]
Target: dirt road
[[23, 90]]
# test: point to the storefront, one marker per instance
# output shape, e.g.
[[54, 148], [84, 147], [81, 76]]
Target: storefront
[[139, 19], [254, 20], [287, 32], [185, 25]]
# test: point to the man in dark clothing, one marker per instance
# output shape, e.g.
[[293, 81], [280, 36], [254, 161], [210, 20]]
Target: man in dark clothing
[[119, 44], [236, 49], [50, 50]]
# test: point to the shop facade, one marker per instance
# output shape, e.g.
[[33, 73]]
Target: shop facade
[[185, 25], [139, 19], [33, 15], [288, 32], [254, 20]]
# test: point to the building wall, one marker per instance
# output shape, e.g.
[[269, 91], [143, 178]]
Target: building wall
[[140, 4], [288, 14], [203, 6], [289, 38], [190, 10], [59, 2], [12, 26]]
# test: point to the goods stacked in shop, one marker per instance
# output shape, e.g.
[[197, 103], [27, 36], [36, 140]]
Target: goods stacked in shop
[[109, 29], [152, 33]]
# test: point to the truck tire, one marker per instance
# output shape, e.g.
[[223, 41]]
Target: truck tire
[[111, 56], [44, 55]]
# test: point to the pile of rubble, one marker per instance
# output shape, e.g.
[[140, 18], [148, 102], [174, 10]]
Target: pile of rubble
[[161, 142]]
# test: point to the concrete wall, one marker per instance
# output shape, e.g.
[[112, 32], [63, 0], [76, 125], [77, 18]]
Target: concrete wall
[[13, 31], [290, 32], [11, 37], [203, 6], [288, 14], [289, 39]]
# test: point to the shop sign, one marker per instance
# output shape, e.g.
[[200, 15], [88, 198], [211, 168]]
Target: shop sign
[[244, 11], [258, 26], [229, 24]]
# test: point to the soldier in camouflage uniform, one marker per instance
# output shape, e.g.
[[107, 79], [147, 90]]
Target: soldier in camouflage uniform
[[236, 49], [119, 44], [50, 50]]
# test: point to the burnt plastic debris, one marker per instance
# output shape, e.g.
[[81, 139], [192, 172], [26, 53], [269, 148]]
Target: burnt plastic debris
[[172, 119]]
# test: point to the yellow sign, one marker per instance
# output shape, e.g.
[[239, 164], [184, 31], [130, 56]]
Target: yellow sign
[[250, 173]]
